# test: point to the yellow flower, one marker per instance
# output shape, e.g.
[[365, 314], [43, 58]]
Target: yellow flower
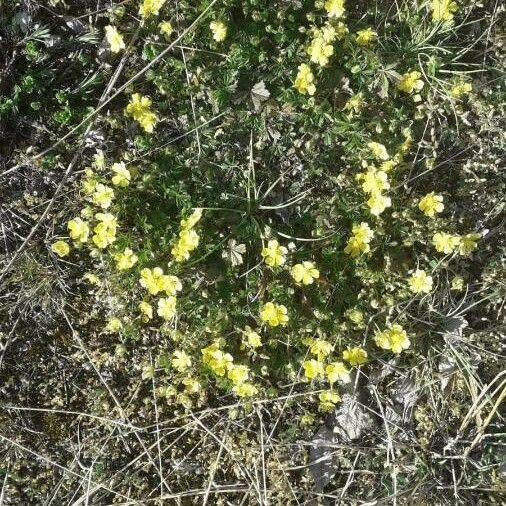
[[431, 204], [420, 282], [181, 361], [320, 51], [460, 89], [114, 39], [394, 338], [334, 8], [274, 254], [355, 356], [150, 7], [166, 28], [445, 243], [114, 325], [410, 82], [92, 278], [328, 400], [167, 307], [125, 260], [219, 30], [155, 281], [218, 361], [378, 150], [237, 374], [304, 81], [192, 220], [388, 165], [457, 283], [139, 108], [312, 368], [355, 247], [363, 232], [305, 273], [105, 230], [188, 241], [358, 243], [365, 37], [321, 348], [78, 230], [254, 339], [378, 203], [245, 390], [442, 10], [374, 181], [355, 103], [146, 311], [89, 181], [192, 385], [99, 159], [337, 371], [468, 244], [179, 253], [103, 196], [121, 176], [169, 284], [274, 314], [61, 248]]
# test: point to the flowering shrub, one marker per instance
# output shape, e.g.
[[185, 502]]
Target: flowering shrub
[[270, 211]]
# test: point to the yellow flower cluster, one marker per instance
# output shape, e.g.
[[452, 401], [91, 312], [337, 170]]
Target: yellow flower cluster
[[443, 10], [304, 81], [155, 281], [188, 238], [274, 254], [150, 7], [315, 368], [448, 243], [139, 108], [105, 230], [114, 39], [274, 314], [394, 338], [358, 243], [222, 364], [320, 48], [431, 204]]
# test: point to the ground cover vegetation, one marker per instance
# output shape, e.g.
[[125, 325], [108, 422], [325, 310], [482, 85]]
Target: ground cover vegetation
[[251, 252]]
